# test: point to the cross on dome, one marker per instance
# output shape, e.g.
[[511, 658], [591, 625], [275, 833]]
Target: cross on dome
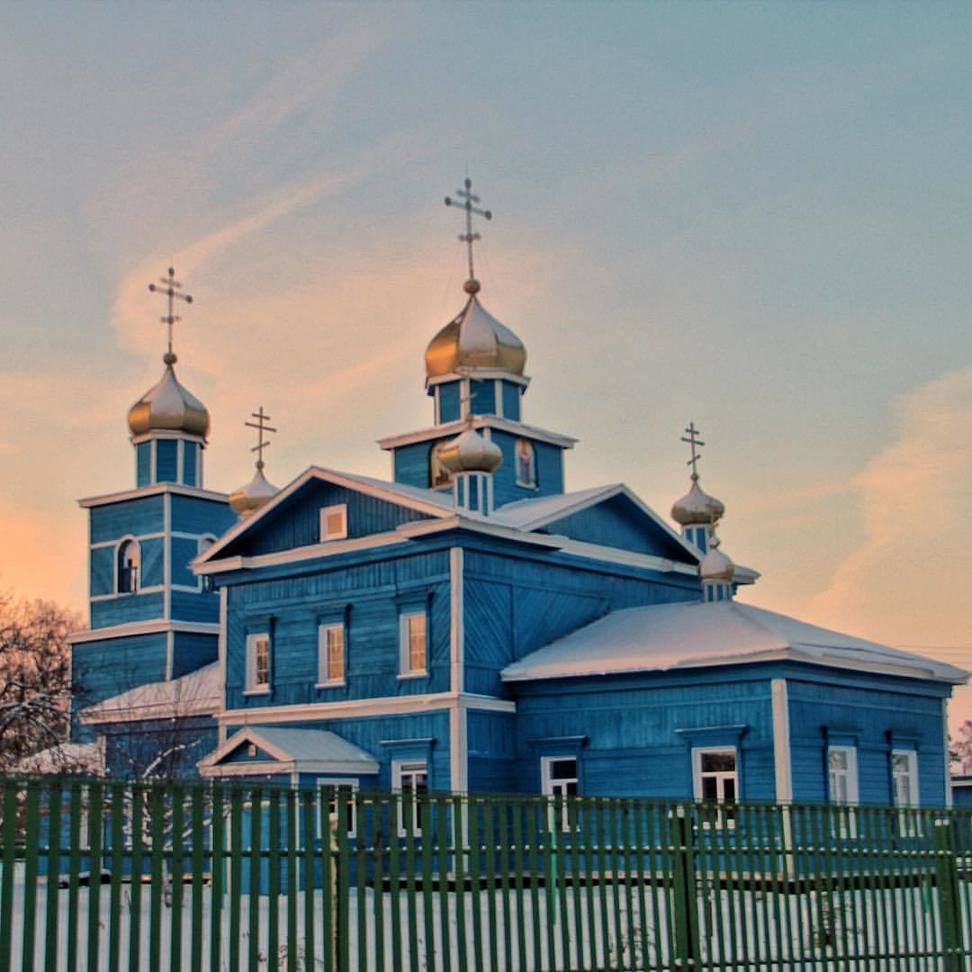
[[465, 201], [695, 444], [261, 426], [172, 289]]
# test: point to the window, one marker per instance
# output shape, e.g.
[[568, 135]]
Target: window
[[129, 567], [904, 782], [334, 522], [346, 790], [842, 769], [716, 781], [413, 637], [526, 464], [258, 663], [558, 778], [411, 779], [330, 654]]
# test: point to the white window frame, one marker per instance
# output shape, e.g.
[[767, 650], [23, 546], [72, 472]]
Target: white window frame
[[347, 784], [252, 686], [557, 788], [324, 677], [411, 768], [719, 818], [122, 545], [908, 824], [405, 669], [327, 511], [844, 815]]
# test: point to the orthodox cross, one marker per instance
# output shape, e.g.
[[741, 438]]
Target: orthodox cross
[[465, 201], [261, 426], [695, 443], [173, 291]]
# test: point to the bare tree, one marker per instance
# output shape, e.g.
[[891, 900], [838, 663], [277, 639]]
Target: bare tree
[[35, 681], [961, 748]]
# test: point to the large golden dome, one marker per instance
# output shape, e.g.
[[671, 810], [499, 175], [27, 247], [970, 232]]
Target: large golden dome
[[169, 407], [474, 341]]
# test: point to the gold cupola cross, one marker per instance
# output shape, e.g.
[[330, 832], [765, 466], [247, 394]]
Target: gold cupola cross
[[695, 443], [466, 201], [172, 289], [261, 426]]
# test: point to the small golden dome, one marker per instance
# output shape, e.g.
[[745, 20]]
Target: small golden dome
[[715, 565], [170, 407], [697, 507], [474, 340], [469, 452], [255, 494]]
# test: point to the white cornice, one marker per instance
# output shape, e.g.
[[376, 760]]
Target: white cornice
[[357, 708], [142, 628], [479, 422], [483, 374], [156, 489]]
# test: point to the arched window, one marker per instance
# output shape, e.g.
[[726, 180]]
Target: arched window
[[129, 567], [526, 464]]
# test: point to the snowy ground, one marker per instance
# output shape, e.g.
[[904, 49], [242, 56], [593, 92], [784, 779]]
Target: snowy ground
[[744, 930]]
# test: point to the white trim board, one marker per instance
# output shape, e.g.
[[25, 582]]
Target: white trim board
[[519, 429], [135, 628], [354, 708], [781, 740], [155, 489]]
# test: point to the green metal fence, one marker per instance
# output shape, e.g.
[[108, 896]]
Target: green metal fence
[[111, 875]]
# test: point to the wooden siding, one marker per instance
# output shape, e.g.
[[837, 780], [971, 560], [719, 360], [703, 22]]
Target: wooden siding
[[483, 396], [190, 450], [297, 522], [166, 460], [191, 651], [515, 605], [891, 713], [449, 397], [511, 401], [412, 464], [101, 571], [135, 516], [617, 522], [189, 606], [131, 747], [102, 669], [125, 608], [143, 464], [192, 514], [492, 752], [549, 466], [371, 597], [631, 740], [183, 551], [152, 574]]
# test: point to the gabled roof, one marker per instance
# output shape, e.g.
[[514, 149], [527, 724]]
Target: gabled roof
[[291, 751], [692, 634], [193, 694]]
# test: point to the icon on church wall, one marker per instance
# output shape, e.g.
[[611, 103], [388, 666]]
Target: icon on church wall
[[438, 474], [526, 464]]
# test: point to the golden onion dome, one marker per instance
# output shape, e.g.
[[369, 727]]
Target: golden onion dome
[[715, 565], [255, 494], [469, 452], [697, 506], [474, 340], [169, 406]]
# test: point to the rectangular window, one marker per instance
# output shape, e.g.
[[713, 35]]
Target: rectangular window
[[558, 778], [258, 663], [904, 782], [413, 635], [334, 522], [346, 790], [842, 769], [411, 780], [716, 781], [330, 654]]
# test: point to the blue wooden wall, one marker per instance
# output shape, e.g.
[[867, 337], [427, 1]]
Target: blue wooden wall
[[549, 466], [126, 608], [636, 731], [135, 516], [515, 604], [492, 764], [371, 597], [192, 514], [412, 464], [511, 401], [131, 748], [297, 522], [102, 669], [191, 651], [874, 713]]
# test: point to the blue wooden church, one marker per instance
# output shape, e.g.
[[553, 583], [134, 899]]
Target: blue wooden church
[[470, 625]]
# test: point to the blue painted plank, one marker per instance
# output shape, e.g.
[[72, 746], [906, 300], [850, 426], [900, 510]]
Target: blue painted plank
[[134, 517]]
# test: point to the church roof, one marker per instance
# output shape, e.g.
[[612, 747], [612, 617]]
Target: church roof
[[197, 693], [691, 634]]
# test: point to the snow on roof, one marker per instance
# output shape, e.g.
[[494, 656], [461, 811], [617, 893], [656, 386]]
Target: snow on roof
[[694, 635], [522, 513], [302, 750], [197, 693], [71, 757]]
